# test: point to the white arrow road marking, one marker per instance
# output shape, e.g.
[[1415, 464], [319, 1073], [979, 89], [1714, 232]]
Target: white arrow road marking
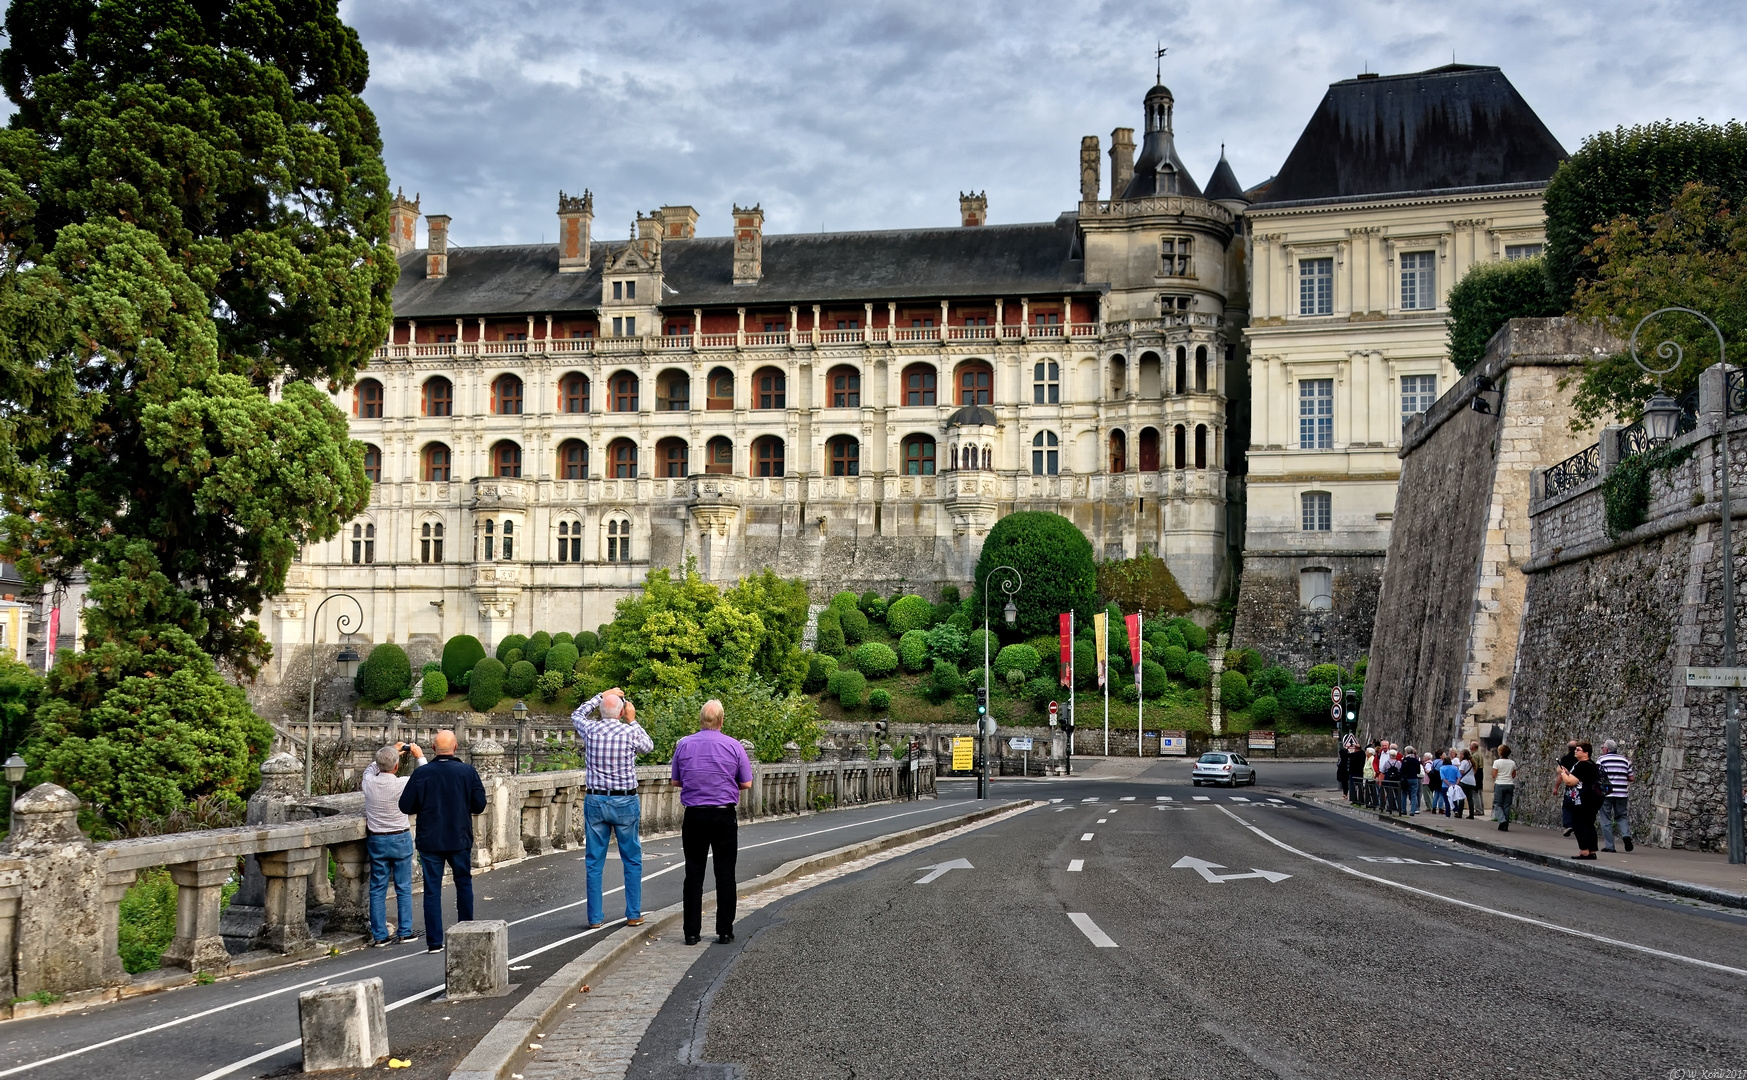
[[1090, 929], [1075, 865], [1088, 836], [1206, 870], [939, 869], [1203, 798]]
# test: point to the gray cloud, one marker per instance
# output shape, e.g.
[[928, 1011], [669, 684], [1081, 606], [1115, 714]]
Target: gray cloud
[[876, 114]]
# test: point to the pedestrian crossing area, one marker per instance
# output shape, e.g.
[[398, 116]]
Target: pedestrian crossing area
[[1174, 802]]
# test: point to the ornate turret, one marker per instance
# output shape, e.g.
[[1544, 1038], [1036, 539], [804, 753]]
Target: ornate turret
[[1159, 171]]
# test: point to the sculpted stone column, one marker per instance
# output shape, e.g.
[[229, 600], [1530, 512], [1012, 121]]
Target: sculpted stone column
[[350, 911], [285, 926], [198, 945]]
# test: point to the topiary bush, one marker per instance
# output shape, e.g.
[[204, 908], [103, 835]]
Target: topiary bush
[[1085, 664], [1154, 679], [908, 613], [875, 659], [429, 667], [540, 638], [485, 687], [385, 674], [879, 699], [843, 601], [521, 679], [944, 682], [1014, 679], [513, 657], [1197, 672], [1248, 661], [949, 594], [1129, 693], [1054, 558], [1041, 691], [460, 654], [1194, 637], [1234, 690], [913, 651], [873, 605], [1324, 675], [847, 686], [550, 685], [830, 636], [564, 637], [1264, 710], [511, 641], [854, 625], [536, 649], [561, 660], [947, 642], [1020, 658], [1271, 680], [1174, 659], [819, 670], [975, 643], [587, 642], [436, 688]]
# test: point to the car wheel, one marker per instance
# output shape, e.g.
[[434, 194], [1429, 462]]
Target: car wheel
[[1197, 783], [1252, 778]]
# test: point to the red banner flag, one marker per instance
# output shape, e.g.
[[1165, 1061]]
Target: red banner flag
[[1067, 664], [1133, 622]]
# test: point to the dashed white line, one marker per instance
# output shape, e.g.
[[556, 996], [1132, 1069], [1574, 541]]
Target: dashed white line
[[1053, 801], [1076, 865], [1090, 798], [1059, 809], [1090, 929], [1238, 798], [1165, 798], [1126, 798], [1086, 836], [1203, 798], [1101, 821], [1278, 802]]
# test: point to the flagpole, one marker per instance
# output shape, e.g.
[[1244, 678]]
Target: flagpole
[[1139, 694], [1073, 677]]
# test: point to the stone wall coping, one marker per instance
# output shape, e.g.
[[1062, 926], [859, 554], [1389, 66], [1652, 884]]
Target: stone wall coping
[[175, 848]]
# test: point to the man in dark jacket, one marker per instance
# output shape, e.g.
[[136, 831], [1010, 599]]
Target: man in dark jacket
[[444, 795]]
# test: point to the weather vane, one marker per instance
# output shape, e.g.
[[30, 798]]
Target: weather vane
[[1159, 62]]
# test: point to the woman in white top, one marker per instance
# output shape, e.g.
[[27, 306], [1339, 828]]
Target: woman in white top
[[1503, 787]]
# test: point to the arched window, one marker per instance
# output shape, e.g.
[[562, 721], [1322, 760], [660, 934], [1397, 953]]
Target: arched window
[[1181, 386], [1201, 446], [1046, 383], [622, 460], [1201, 369], [506, 396], [373, 463], [673, 392], [1044, 454], [767, 456], [919, 455], [1179, 447], [367, 400], [438, 397], [506, 459], [570, 541], [719, 390], [363, 544], [1149, 449], [845, 388], [431, 542], [509, 540], [921, 383], [673, 458], [436, 463], [976, 383], [1118, 376], [573, 393], [769, 389], [618, 540], [719, 455], [1118, 452], [622, 392], [573, 460], [845, 454]]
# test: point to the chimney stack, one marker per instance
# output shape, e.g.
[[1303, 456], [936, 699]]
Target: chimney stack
[[973, 209], [1089, 169], [575, 221], [403, 218], [437, 245], [748, 245], [1121, 161], [678, 222]]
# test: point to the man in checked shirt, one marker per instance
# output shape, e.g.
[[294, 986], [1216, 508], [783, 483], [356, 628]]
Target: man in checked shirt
[[612, 739]]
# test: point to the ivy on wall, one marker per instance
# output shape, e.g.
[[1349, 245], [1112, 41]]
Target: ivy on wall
[[1626, 491]]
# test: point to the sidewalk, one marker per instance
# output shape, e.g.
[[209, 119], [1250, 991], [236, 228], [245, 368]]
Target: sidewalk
[[1695, 874]]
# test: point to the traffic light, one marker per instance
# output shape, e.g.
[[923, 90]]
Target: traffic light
[[982, 701], [880, 728], [1350, 703]]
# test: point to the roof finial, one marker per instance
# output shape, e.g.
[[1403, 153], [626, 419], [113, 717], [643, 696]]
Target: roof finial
[[1159, 62]]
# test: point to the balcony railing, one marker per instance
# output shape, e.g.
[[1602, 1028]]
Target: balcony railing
[[1573, 472]]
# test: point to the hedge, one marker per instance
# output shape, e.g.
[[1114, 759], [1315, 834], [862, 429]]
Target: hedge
[[830, 637], [436, 688], [486, 687], [908, 613], [587, 642], [561, 660], [460, 654], [1489, 295], [521, 679], [875, 659], [854, 625], [913, 651], [511, 641]]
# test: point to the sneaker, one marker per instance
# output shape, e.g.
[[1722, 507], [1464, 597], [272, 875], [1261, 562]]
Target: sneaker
[[1567, 832], [638, 921], [435, 948], [375, 944], [1628, 841]]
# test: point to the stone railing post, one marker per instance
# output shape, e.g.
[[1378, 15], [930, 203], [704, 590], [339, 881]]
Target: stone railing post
[[11, 889], [566, 816], [350, 911], [271, 804], [285, 923], [198, 945], [886, 752], [535, 821], [62, 944], [792, 752]]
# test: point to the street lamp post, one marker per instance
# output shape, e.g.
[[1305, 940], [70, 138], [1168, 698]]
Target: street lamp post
[[1009, 586], [343, 624], [15, 769], [520, 709], [1661, 416]]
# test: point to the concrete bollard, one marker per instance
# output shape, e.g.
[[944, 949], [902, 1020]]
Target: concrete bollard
[[476, 959], [344, 1026]]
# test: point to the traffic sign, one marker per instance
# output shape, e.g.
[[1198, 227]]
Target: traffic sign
[[961, 754], [1334, 711], [1019, 742], [1055, 708], [1335, 695], [1726, 677]]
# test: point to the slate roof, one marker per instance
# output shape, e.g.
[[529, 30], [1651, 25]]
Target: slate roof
[[1454, 127], [1223, 183], [973, 416], [1157, 149], [1039, 260]]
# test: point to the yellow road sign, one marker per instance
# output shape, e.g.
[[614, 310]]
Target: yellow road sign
[[961, 754]]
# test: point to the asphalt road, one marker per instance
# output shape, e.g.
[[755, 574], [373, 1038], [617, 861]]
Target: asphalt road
[[215, 1030], [1076, 946]]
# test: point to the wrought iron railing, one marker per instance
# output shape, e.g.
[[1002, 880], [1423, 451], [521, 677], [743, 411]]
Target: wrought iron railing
[[1735, 399], [1574, 471], [1634, 440]]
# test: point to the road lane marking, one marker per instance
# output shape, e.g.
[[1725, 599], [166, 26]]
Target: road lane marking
[[1059, 809], [939, 869], [1166, 798], [1074, 865], [1238, 798], [1206, 870], [1087, 836], [1052, 801], [1126, 798], [1631, 946], [1278, 802], [1203, 798], [1090, 798], [1101, 820], [1401, 860], [1090, 929]]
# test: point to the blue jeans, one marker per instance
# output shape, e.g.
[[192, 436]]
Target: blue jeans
[[431, 863], [606, 816], [1613, 819], [390, 857], [1410, 796]]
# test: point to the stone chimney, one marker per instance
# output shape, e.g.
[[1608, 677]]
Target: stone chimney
[[748, 245], [1089, 169], [403, 219], [437, 245], [575, 222], [678, 222], [1121, 161], [973, 209], [647, 233]]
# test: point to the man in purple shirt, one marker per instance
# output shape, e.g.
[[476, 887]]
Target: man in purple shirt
[[711, 770]]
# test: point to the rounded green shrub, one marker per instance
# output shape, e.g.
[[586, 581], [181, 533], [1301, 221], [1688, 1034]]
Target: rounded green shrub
[[561, 659], [1043, 691], [1014, 679], [976, 642], [1194, 637], [436, 687], [1020, 658], [944, 682], [873, 605], [1248, 661], [550, 685], [1264, 710], [961, 622], [535, 654], [1052, 556], [460, 654], [847, 686], [913, 651], [830, 638], [1272, 680], [819, 670], [385, 674], [1154, 679], [430, 667], [1234, 690], [485, 688], [909, 613], [879, 699], [521, 679], [875, 659], [587, 642], [1128, 693], [540, 638], [1324, 675], [513, 657], [511, 641], [1197, 672], [1175, 658], [843, 601], [564, 637], [1359, 668], [1085, 664], [854, 625], [949, 594]]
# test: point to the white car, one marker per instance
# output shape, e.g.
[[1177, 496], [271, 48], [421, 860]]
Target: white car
[[1216, 767]]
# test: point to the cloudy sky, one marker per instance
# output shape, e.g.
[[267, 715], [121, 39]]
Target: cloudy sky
[[876, 114]]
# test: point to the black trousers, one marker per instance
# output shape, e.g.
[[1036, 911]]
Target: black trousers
[[1583, 824], [710, 830]]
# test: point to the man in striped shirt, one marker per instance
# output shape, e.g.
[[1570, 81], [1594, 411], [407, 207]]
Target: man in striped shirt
[[1618, 770], [611, 739]]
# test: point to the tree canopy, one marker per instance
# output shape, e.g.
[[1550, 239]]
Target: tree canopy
[[1490, 295], [1055, 559]]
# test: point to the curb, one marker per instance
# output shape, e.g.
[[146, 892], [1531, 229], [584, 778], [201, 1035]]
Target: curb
[[504, 1047], [1690, 890]]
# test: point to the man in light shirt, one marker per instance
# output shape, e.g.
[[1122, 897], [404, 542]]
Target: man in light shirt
[[611, 740], [389, 843]]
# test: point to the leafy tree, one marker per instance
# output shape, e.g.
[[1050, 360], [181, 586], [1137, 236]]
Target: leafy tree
[[485, 687], [436, 688], [1144, 584], [509, 642], [20, 689], [1490, 295], [385, 674], [1055, 559], [781, 605], [829, 638], [908, 613], [460, 654], [913, 650], [192, 208], [876, 659]]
